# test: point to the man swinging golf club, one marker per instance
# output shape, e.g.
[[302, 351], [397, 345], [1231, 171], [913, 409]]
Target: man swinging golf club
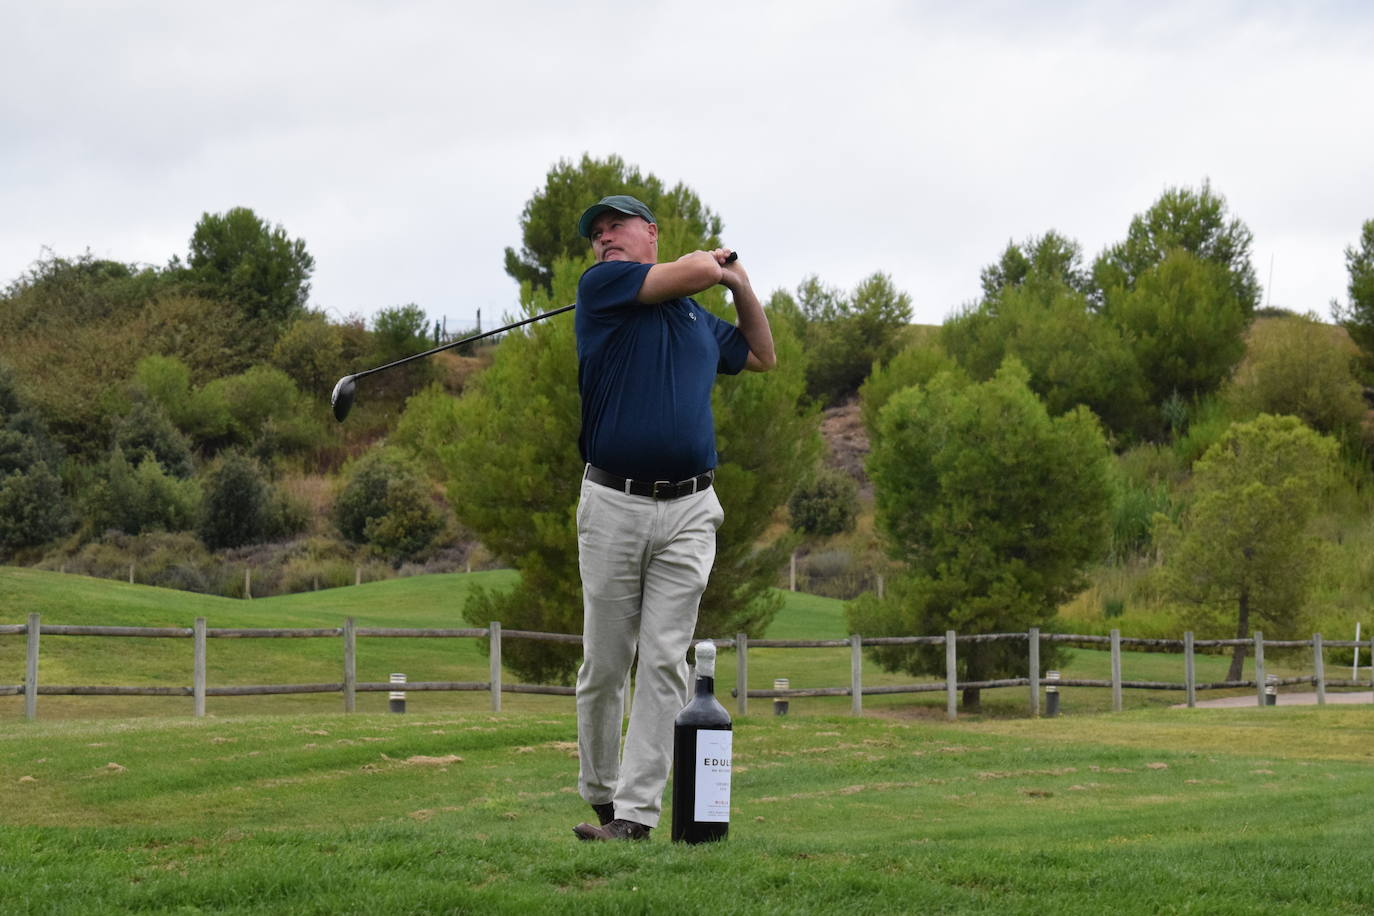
[[647, 515]]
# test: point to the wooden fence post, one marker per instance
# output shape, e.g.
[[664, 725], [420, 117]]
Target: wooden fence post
[[856, 677], [31, 670], [494, 628], [1371, 667], [1189, 670], [1033, 651], [741, 674], [247, 582], [131, 574], [792, 573], [1259, 667], [350, 665], [1116, 671], [951, 678], [1319, 668], [198, 686]]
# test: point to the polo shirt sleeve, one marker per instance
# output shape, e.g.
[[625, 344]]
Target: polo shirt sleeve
[[610, 285], [734, 349]]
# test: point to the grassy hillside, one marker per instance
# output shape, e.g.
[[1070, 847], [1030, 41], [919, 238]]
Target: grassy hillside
[[427, 601]]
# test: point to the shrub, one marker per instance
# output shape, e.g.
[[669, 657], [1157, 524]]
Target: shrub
[[9, 393], [1208, 422], [208, 335], [286, 515], [1300, 367], [200, 413], [400, 331], [303, 574], [166, 380], [146, 431], [826, 505], [236, 504], [311, 352], [207, 417], [385, 503], [255, 396], [838, 573], [33, 508], [164, 559], [134, 499]]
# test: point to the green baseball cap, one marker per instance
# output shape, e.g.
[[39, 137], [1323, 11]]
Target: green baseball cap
[[621, 203]]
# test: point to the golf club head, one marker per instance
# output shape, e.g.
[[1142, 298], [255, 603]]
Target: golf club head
[[342, 398]]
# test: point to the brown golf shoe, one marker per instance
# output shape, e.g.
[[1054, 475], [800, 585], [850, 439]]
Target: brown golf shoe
[[615, 830]]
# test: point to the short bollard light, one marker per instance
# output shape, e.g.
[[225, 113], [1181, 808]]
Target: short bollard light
[[780, 703], [397, 697], [1271, 690], [1052, 694]]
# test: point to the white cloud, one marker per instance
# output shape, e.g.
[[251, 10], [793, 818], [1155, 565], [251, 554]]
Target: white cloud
[[401, 140]]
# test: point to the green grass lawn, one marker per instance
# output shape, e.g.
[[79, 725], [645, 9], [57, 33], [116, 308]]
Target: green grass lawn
[[1206, 811], [130, 804]]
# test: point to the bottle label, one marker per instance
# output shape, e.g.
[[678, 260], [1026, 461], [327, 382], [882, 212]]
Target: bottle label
[[713, 775]]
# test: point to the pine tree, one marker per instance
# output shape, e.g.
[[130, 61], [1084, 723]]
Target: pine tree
[[995, 507], [1242, 556], [1357, 315]]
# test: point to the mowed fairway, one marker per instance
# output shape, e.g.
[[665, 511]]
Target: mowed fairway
[[462, 810], [1208, 811]]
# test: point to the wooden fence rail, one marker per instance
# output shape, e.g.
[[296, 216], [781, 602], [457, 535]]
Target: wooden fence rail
[[349, 686]]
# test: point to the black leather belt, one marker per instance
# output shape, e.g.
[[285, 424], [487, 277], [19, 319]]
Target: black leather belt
[[656, 489]]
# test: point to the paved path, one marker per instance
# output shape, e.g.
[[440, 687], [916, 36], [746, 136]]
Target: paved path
[[1287, 699]]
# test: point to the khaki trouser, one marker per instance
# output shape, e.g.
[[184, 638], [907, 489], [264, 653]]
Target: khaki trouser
[[644, 565]]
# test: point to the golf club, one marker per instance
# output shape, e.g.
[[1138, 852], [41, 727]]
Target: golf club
[[346, 387]]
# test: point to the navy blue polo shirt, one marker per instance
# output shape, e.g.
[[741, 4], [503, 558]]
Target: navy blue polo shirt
[[645, 374]]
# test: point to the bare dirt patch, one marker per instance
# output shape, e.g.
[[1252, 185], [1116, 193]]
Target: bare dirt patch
[[422, 760], [846, 442]]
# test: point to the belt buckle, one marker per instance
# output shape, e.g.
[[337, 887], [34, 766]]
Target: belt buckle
[[665, 484]]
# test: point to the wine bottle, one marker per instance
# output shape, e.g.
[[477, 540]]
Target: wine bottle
[[702, 740]]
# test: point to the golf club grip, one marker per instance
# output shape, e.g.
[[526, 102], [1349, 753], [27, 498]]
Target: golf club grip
[[734, 256]]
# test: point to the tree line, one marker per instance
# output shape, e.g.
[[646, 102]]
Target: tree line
[[168, 403], [1011, 448]]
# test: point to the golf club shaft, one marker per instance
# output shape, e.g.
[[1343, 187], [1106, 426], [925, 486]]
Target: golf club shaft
[[734, 255], [458, 343]]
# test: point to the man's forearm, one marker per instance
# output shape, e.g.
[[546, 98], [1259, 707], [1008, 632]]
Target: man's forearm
[[687, 276], [753, 324]]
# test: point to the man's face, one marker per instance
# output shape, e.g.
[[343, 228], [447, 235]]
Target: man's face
[[618, 237]]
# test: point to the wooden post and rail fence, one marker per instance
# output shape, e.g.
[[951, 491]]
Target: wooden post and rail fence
[[349, 686]]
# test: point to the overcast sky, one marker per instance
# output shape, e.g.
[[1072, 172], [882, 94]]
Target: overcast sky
[[401, 139]]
